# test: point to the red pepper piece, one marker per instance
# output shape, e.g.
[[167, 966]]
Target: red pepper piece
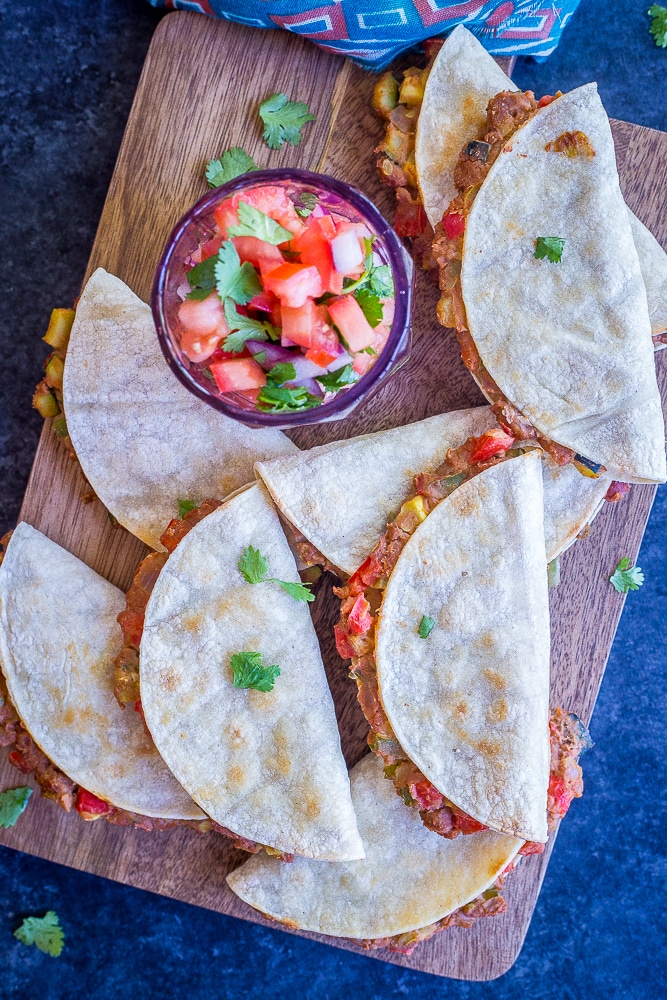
[[453, 224], [343, 646], [490, 444], [616, 491], [360, 619], [90, 807]]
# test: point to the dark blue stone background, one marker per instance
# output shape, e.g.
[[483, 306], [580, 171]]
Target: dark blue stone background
[[68, 71]]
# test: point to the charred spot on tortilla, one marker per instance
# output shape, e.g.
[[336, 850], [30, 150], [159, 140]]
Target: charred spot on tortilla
[[571, 144]]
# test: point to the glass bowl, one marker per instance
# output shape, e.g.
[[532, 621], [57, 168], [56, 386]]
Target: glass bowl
[[198, 226]]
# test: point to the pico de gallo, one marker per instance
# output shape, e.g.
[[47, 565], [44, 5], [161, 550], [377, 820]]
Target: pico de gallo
[[286, 302]]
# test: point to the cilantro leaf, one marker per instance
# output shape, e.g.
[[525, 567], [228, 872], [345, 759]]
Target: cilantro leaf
[[44, 932], [261, 226], [244, 328], [250, 672], [272, 399], [550, 247], [370, 304], [381, 282], [283, 372], [299, 591], [626, 577], [232, 163], [253, 566], [426, 626], [12, 804], [185, 506], [233, 279], [201, 279], [658, 26], [308, 200], [283, 120], [336, 380]]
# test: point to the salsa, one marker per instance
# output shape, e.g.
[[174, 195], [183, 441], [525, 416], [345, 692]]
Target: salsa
[[285, 302]]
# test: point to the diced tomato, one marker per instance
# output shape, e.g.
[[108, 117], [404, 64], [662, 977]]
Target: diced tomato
[[347, 315], [199, 347], [531, 847], [324, 344], [360, 619], [616, 491], [453, 224], [466, 824], [249, 248], [561, 794], [314, 246], [238, 374], [299, 323], [90, 807], [203, 316], [544, 101], [269, 199], [490, 444], [362, 362], [264, 302], [426, 795], [294, 284], [211, 247], [343, 643]]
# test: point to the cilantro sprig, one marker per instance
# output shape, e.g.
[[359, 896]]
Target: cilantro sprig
[[550, 247], [252, 222], [281, 373], [44, 932], [283, 120], [285, 399], [658, 25], [234, 280], [426, 626], [201, 278], [336, 380], [626, 577], [308, 200], [12, 803], [254, 568], [185, 506], [232, 163], [242, 328]]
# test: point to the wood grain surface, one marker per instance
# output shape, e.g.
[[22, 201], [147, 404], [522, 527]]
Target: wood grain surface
[[188, 109]]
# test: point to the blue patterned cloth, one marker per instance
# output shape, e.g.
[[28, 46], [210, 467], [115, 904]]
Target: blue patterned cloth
[[373, 32]]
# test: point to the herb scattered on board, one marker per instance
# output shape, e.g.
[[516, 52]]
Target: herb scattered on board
[[254, 568], [44, 932], [185, 506], [626, 577], [658, 25], [426, 626], [250, 672], [12, 803], [283, 120], [232, 163], [550, 247]]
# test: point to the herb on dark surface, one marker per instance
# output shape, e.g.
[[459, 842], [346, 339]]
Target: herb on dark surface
[[44, 932], [254, 569], [626, 577], [232, 163], [658, 25], [252, 222], [426, 626], [283, 120], [12, 803], [250, 672], [550, 247]]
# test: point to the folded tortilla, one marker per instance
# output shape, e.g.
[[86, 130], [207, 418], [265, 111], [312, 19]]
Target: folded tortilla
[[341, 495], [142, 439], [462, 81], [470, 703], [410, 877], [266, 765], [58, 640]]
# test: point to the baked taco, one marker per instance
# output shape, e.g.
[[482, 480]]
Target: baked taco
[[233, 687]]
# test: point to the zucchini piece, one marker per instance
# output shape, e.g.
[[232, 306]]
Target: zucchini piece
[[44, 401], [54, 367], [59, 328], [385, 95]]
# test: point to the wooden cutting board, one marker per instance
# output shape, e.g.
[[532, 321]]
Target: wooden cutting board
[[197, 96]]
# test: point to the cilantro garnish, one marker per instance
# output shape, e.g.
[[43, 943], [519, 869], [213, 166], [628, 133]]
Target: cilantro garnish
[[626, 577], [426, 626], [252, 222], [254, 569], [371, 306], [336, 380], [244, 328], [381, 282], [283, 120], [201, 278], [375, 281], [658, 25], [233, 279], [44, 932], [185, 506], [232, 163], [283, 400], [550, 247], [250, 672], [12, 804], [280, 373], [308, 200]]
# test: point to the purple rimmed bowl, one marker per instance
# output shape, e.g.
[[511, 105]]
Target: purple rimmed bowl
[[198, 225]]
